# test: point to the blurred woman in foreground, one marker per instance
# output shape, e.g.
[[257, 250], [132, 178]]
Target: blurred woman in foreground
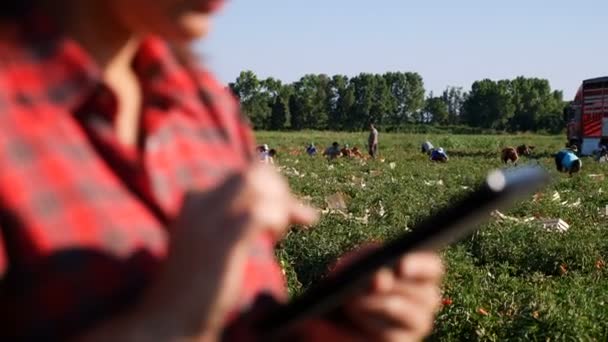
[[131, 204]]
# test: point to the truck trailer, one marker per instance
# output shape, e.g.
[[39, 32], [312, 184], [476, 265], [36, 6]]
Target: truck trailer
[[587, 116]]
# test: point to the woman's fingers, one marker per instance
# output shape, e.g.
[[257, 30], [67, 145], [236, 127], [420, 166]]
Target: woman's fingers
[[421, 266], [401, 302], [301, 213], [383, 317]]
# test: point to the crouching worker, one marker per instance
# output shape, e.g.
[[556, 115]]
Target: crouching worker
[[427, 147], [566, 160], [311, 150], [346, 152], [356, 152], [439, 155], [333, 151], [265, 155]]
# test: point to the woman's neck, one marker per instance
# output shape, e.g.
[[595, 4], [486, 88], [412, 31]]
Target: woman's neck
[[113, 47]]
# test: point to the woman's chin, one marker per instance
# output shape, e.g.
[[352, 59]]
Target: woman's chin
[[193, 26]]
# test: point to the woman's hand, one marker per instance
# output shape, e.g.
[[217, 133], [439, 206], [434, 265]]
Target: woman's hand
[[210, 244], [400, 305]]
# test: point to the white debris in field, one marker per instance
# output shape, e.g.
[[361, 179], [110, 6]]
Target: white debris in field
[[381, 211], [360, 182], [556, 197], [537, 196], [296, 161], [557, 225], [336, 201], [392, 165], [600, 191], [290, 171], [306, 199], [434, 183], [314, 176], [364, 219], [464, 187], [599, 177], [575, 204], [349, 216], [330, 167], [502, 217]]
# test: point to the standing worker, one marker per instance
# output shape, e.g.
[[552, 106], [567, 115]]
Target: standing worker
[[373, 141]]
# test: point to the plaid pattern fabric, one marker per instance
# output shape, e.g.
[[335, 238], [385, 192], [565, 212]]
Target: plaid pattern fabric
[[83, 219]]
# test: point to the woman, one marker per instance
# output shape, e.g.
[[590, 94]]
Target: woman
[[131, 205]]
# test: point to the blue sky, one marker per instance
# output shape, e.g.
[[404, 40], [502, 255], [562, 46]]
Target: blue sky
[[449, 42]]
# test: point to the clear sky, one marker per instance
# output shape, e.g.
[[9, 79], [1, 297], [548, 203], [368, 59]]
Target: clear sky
[[449, 42]]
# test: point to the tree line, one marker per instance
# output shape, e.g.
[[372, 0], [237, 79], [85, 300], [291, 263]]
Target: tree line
[[395, 99]]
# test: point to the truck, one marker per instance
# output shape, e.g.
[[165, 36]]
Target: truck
[[587, 116]]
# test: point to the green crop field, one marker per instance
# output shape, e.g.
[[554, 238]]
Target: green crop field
[[511, 280]]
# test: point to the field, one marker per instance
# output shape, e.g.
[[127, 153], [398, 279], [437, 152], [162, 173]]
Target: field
[[511, 280]]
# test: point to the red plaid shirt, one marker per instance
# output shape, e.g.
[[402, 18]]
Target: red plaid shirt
[[83, 219]]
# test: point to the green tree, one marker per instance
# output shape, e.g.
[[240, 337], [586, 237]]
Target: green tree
[[383, 102], [414, 99], [254, 101], [489, 104], [364, 90], [296, 110], [407, 101], [436, 110], [338, 108], [278, 116], [311, 92], [454, 98], [536, 105]]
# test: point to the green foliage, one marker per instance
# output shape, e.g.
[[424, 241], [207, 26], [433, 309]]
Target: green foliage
[[437, 110], [398, 99], [489, 104], [454, 98], [533, 284], [278, 117]]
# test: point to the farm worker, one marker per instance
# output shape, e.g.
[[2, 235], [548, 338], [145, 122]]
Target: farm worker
[[122, 222], [311, 150], [567, 161], [264, 154], [603, 145], [427, 147], [372, 141], [346, 151], [272, 154], [356, 153], [333, 151], [439, 155]]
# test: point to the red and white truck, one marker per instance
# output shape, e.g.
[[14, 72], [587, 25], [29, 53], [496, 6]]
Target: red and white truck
[[587, 116]]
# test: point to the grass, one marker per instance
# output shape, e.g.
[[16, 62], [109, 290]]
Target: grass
[[533, 284]]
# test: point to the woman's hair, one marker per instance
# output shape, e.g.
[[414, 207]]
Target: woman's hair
[[13, 9]]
